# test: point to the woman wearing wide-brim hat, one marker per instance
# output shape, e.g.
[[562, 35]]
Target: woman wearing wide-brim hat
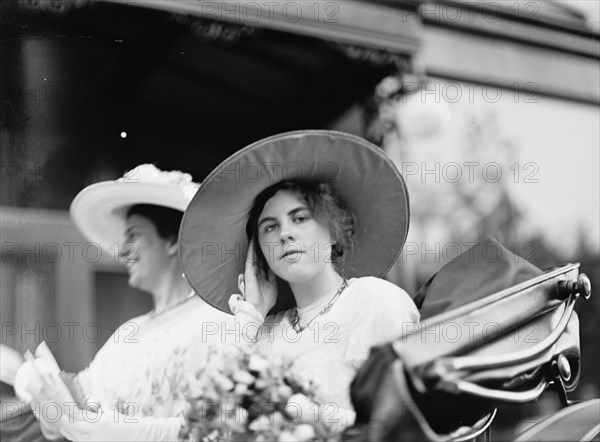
[[136, 377], [304, 224]]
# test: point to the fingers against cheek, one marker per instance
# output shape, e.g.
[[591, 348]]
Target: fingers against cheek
[[250, 254], [241, 284]]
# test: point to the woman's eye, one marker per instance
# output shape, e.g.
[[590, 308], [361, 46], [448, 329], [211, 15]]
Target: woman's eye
[[269, 228], [301, 218], [132, 237]]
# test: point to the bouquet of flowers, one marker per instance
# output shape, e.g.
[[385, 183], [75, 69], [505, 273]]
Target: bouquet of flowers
[[240, 395]]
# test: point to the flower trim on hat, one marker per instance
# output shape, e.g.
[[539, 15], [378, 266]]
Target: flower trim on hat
[[149, 173], [189, 190]]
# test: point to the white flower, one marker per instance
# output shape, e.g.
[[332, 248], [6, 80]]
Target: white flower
[[284, 391], [304, 432], [256, 363], [240, 389], [286, 436], [243, 377], [261, 384], [300, 408], [277, 418], [194, 387], [222, 382], [149, 173], [189, 190], [261, 424]]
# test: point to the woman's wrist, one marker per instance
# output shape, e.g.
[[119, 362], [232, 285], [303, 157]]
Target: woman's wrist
[[260, 308], [247, 316], [240, 306]]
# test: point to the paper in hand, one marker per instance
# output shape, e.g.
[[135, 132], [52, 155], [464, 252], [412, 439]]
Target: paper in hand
[[38, 377], [43, 352], [53, 383]]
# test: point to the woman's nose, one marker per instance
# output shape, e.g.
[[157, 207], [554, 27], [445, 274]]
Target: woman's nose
[[126, 250], [286, 233]]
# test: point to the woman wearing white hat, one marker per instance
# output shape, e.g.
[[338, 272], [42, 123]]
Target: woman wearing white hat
[[324, 214], [138, 377]]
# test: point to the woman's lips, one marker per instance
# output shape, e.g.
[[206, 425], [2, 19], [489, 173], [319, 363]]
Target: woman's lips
[[130, 263], [291, 253]]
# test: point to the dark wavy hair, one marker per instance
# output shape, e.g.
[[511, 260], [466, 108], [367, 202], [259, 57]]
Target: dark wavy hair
[[325, 206], [166, 220]]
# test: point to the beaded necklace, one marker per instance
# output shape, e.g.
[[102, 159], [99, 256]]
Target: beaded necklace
[[296, 317]]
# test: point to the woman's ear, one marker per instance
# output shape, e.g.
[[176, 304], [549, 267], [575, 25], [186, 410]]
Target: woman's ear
[[173, 248]]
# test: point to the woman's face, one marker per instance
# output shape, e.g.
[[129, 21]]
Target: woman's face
[[296, 246], [145, 253]]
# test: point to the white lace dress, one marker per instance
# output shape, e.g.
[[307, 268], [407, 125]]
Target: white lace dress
[[370, 311], [143, 366]]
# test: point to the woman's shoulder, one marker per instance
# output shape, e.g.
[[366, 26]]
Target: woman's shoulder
[[198, 318], [371, 294], [368, 286], [135, 322]]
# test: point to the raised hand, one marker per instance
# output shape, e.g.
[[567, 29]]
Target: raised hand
[[37, 383], [261, 292]]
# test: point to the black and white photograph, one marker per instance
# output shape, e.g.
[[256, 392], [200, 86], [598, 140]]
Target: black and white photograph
[[300, 220]]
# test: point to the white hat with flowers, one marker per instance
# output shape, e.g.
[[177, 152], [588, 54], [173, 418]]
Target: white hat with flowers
[[99, 210]]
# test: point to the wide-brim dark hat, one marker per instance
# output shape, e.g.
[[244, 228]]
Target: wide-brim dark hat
[[212, 237]]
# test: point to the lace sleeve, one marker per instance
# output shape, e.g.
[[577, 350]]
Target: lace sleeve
[[88, 378], [248, 320]]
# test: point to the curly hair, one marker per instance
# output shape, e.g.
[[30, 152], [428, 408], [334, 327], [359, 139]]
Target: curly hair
[[324, 204]]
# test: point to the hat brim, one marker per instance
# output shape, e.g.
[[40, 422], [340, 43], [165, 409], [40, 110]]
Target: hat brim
[[100, 210], [212, 237]]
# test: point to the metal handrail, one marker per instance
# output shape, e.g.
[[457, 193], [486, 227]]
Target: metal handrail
[[443, 366]]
